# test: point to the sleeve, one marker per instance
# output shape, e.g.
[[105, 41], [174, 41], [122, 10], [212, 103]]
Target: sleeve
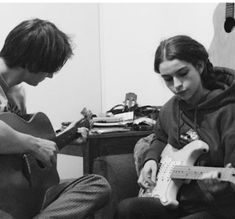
[[228, 135], [17, 98], [158, 143]]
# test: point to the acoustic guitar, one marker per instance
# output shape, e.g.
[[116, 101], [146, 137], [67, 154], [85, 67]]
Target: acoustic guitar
[[176, 166], [24, 180], [222, 48]]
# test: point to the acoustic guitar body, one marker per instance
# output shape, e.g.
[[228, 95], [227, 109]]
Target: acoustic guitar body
[[23, 184], [222, 48]]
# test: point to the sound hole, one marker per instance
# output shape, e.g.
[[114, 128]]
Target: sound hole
[[229, 24]]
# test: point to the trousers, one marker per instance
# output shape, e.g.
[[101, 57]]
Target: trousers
[[75, 198], [151, 208]]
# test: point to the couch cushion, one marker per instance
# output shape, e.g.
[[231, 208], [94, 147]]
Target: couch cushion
[[140, 150], [120, 172]]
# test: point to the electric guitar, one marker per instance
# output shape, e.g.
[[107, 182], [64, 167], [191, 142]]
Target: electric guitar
[[24, 180], [222, 48], [177, 165]]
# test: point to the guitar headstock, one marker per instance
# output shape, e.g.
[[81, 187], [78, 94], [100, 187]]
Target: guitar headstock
[[86, 121], [230, 172], [68, 131], [87, 118]]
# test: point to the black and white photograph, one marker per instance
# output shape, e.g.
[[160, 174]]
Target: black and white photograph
[[117, 110]]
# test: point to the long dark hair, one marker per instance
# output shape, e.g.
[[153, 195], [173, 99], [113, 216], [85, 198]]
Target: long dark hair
[[185, 48], [37, 45]]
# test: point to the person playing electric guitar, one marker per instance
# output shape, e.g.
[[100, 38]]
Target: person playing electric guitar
[[33, 51], [202, 109]]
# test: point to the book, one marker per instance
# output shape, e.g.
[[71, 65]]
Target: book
[[109, 130], [118, 120]]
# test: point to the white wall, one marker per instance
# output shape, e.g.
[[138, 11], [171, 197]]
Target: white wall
[[78, 83], [114, 51], [130, 34]]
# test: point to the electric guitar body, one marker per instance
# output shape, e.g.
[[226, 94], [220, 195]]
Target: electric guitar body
[[222, 48], [176, 166]]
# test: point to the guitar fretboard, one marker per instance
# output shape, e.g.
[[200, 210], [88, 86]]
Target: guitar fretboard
[[229, 10], [196, 172], [66, 136]]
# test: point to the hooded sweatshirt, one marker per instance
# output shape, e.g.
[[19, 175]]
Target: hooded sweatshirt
[[212, 121]]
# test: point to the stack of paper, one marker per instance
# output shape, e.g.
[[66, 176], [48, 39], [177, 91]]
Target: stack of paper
[[118, 120]]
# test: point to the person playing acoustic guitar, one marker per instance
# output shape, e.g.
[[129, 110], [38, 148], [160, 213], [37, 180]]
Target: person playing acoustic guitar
[[34, 50], [198, 121]]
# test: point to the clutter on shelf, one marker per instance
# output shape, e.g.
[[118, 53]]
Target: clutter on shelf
[[127, 116], [121, 118]]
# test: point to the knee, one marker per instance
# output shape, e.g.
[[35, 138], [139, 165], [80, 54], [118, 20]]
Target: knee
[[101, 186], [100, 181]]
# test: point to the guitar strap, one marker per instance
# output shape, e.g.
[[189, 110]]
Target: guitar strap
[[3, 84]]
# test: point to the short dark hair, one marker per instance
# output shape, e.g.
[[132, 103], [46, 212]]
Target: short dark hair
[[185, 48], [37, 45]]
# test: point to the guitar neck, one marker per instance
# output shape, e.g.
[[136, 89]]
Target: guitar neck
[[196, 172], [70, 132], [66, 136], [229, 11]]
